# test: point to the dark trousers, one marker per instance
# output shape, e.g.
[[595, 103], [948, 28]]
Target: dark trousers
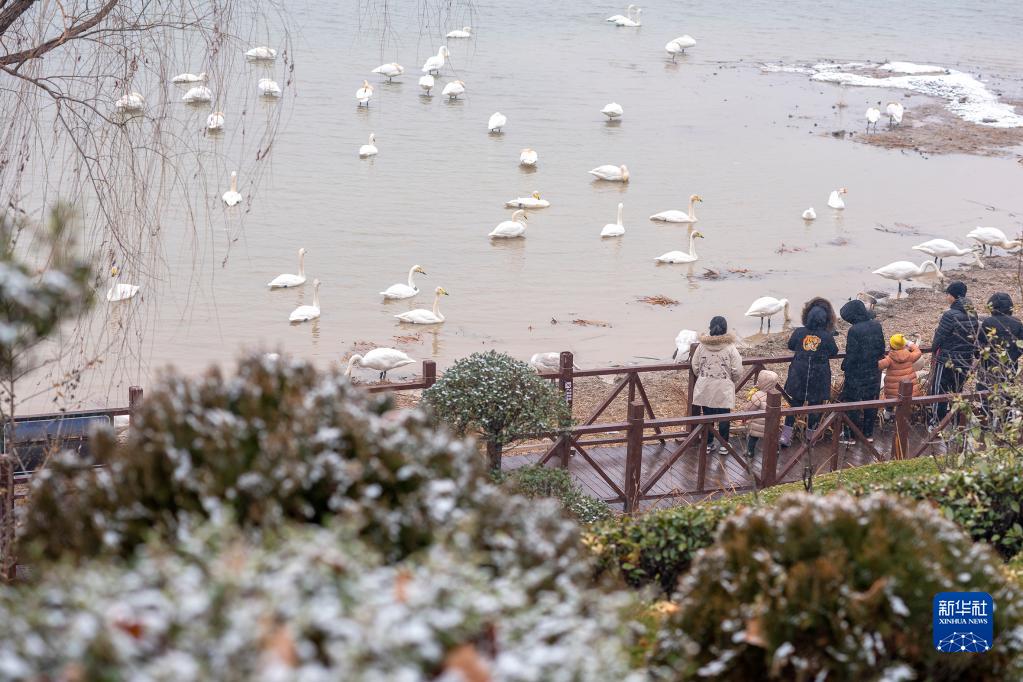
[[751, 446], [811, 419], [723, 427], [863, 419], [948, 378]]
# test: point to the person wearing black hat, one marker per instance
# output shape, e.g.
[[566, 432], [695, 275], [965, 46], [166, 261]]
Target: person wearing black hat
[[1000, 337], [717, 366], [809, 380], [954, 344], [864, 348]]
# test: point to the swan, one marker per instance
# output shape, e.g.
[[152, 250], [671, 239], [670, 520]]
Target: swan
[[835, 198], [363, 94], [612, 110], [768, 306], [288, 281], [304, 313], [532, 201], [369, 149], [873, 116], [215, 121], [198, 94], [614, 229], [942, 249], [810, 214], [682, 256], [423, 316], [611, 173], [454, 89], [684, 343], [902, 270], [262, 54], [679, 45], [464, 32], [189, 78], [268, 87], [629, 22], [615, 18], [399, 290], [426, 83], [990, 237], [545, 362], [133, 101], [510, 229], [382, 360], [675, 216], [528, 157], [391, 70], [435, 63], [118, 290], [232, 197], [496, 122], [894, 111]]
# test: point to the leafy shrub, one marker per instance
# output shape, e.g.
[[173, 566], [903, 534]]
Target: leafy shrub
[[834, 588], [538, 481], [498, 396]]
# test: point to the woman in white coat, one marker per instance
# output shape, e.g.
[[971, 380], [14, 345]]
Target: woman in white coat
[[717, 365]]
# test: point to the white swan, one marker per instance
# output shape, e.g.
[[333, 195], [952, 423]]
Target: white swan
[[684, 343], [262, 54], [288, 281], [189, 78], [369, 149], [454, 89], [835, 198], [679, 45], [545, 362], [810, 214], [682, 256], [435, 63], [629, 21], [304, 313], [464, 32], [232, 197], [941, 249], [903, 270], [532, 201], [118, 290], [528, 157], [268, 87], [363, 94], [768, 306], [990, 237], [391, 70], [423, 316], [215, 121], [676, 216], [614, 229], [382, 360], [426, 83], [198, 94], [873, 116], [497, 122], [611, 173], [511, 229], [615, 18], [612, 111], [133, 101], [895, 111], [399, 290]]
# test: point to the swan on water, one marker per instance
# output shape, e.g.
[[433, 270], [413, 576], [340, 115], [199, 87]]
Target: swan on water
[[768, 306], [391, 70], [894, 111], [612, 110], [189, 78], [287, 281], [363, 94], [454, 89], [215, 121], [873, 116], [810, 214], [614, 229], [684, 343], [399, 290], [268, 87], [990, 237], [497, 122], [835, 199], [435, 63], [511, 229], [232, 197], [382, 360], [198, 94], [423, 316], [369, 149], [615, 18], [679, 45], [120, 291], [941, 249], [464, 32], [629, 21], [532, 201], [304, 313], [611, 173], [262, 54], [133, 101], [676, 216], [903, 270], [528, 157], [426, 83], [682, 256]]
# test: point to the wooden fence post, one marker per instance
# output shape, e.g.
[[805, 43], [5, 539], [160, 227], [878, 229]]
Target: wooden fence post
[[566, 384], [429, 373], [903, 412], [634, 456], [772, 429], [134, 400], [692, 381]]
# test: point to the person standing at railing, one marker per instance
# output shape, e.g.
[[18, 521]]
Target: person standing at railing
[[1001, 336], [898, 365], [955, 346], [809, 379], [864, 347], [766, 380], [717, 366]]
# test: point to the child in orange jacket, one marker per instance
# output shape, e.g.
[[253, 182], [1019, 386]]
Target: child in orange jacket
[[898, 365]]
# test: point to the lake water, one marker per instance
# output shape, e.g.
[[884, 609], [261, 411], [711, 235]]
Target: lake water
[[712, 124]]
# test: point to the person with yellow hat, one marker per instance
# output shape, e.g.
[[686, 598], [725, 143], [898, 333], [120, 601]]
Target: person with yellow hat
[[898, 365]]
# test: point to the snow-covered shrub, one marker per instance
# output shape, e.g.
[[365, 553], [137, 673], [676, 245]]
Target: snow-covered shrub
[[541, 481], [835, 588]]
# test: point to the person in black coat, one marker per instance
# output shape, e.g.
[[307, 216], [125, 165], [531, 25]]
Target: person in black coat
[[809, 379], [864, 347], [955, 345], [1000, 337]]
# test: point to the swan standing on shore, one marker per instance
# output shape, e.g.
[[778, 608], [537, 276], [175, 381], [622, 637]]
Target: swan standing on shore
[[232, 197], [835, 199], [894, 111], [304, 313], [615, 18], [683, 344], [768, 306], [810, 214], [391, 70], [370, 148], [903, 270], [497, 122], [532, 201], [364, 94], [189, 78], [454, 89], [676, 216], [464, 32], [612, 110], [423, 316], [528, 157], [873, 116], [611, 173], [511, 229], [941, 249], [215, 121], [682, 256], [268, 87], [629, 21], [614, 229], [990, 237], [382, 360], [262, 54], [399, 291], [288, 281], [427, 82], [120, 291], [679, 45], [435, 63]]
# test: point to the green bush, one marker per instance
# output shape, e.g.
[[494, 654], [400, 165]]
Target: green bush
[[554, 482], [837, 588]]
